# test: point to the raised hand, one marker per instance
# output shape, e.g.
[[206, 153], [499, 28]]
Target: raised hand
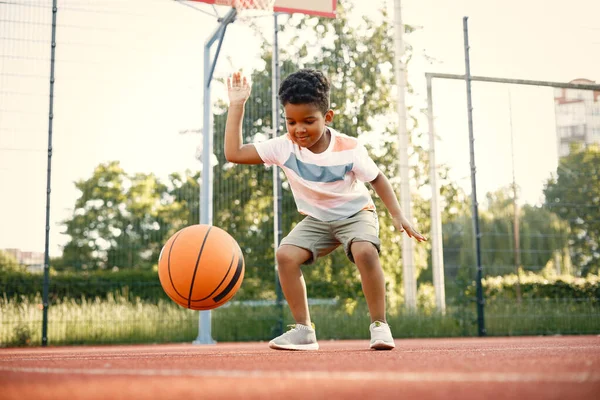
[[402, 224], [238, 89]]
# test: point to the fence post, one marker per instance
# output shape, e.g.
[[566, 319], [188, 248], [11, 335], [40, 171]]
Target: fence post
[[46, 289], [480, 300]]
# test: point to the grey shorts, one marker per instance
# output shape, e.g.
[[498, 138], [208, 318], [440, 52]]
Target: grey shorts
[[321, 238]]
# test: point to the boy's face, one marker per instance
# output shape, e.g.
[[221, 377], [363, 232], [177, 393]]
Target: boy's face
[[306, 125]]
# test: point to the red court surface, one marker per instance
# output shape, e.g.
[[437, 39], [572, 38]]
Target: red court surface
[[464, 368]]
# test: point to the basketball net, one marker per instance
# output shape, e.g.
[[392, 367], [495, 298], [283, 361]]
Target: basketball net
[[247, 9]]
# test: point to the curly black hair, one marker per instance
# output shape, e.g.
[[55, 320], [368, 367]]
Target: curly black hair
[[306, 86]]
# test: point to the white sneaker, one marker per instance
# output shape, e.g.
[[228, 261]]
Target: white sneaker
[[299, 337], [381, 336]]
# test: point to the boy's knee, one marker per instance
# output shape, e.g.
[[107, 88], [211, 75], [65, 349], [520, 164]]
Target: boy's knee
[[286, 257], [364, 252], [289, 256]]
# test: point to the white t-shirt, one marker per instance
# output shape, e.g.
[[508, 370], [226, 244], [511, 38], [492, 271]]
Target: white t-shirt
[[327, 186]]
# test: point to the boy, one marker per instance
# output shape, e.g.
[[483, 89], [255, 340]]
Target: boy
[[326, 170]]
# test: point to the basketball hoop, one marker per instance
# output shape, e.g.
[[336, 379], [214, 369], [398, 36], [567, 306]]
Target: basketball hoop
[[247, 9], [321, 8], [254, 4]]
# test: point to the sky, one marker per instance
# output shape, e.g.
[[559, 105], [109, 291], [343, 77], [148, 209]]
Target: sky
[[129, 80]]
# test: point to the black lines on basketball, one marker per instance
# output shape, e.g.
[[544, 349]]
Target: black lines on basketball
[[220, 283], [238, 272], [196, 267], [169, 264]]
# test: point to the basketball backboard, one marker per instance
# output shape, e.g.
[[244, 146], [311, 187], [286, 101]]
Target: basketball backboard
[[321, 8]]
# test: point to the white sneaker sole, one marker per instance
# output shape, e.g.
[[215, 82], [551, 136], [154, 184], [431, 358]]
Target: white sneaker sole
[[381, 345], [305, 347]]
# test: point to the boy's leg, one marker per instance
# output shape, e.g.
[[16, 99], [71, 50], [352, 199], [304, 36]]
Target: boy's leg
[[366, 258], [360, 237], [307, 241], [302, 336], [289, 261]]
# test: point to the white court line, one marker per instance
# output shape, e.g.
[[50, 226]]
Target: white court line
[[479, 350], [513, 377], [216, 353], [141, 356]]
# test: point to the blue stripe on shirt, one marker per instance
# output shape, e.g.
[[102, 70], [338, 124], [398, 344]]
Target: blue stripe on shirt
[[317, 173]]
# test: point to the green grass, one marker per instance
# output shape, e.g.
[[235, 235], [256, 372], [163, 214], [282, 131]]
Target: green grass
[[115, 320], [119, 321], [543, 317]]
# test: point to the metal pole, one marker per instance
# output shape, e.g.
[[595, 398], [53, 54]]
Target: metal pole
[[46, 287], [277, 195], [480, 300], [437, 259], [563, 85], [408, 264], [516, 230], [206, 188]]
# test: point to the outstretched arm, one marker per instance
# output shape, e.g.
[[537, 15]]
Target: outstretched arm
[[384, 190], [235, 150]]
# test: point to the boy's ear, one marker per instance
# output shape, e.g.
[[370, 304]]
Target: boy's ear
[[329, 116]]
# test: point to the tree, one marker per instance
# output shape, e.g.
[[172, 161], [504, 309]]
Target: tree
[[8, 262], [121, 220], [574, 195], [543, 237]]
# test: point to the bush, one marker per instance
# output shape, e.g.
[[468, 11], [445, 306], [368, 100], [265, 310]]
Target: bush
[[145, 285], [534, 286], [70, 285], [131, 284]]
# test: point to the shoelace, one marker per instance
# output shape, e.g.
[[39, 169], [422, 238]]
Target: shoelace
[[294, 326], [379, 324]]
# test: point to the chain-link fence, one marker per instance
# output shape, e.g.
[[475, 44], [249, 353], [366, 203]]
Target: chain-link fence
[[536, 167]]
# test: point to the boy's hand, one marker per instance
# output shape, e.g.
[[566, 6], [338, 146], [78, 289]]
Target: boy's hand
[[238, 89], [402, 224]]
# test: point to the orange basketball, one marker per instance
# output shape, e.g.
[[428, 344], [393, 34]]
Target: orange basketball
[[201, 267]]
